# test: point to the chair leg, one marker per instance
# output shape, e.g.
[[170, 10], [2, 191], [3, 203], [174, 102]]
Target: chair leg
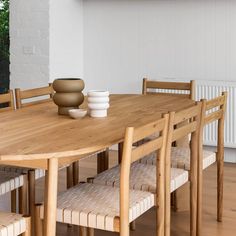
[[220, 173], [23, 196], [133, 225], [13, 201], [38, 221], [75, 173], [69, 176], [31, 190], [90, 232], [180, 198], [103, 161], [82, 231], [28, 227]]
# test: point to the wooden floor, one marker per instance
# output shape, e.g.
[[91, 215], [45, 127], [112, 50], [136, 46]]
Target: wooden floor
[[180, 220]]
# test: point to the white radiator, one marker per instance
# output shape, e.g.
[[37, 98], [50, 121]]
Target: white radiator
[[211, 89]]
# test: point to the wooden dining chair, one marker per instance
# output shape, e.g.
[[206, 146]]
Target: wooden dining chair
[[179, 89], [143, 177], [109, 208], [24, 97], [13, 182], [7, 99], [183, 89], [214, 111], [10, 181], [12, 224]]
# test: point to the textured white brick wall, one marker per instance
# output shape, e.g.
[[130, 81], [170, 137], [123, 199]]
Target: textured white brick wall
[[46, 41], [29, 48]]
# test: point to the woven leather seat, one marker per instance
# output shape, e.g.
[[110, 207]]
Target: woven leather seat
[[180, 158], [10, 181], [142, 177], [96, 206], [11, 224], [39, 173]]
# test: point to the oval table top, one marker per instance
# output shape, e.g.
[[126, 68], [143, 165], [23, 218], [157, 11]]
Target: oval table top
[[37, 132]]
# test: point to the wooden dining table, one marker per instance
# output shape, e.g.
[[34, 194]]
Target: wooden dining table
[[37, 137]]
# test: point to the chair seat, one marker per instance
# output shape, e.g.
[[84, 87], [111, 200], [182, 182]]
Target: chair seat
[[11, 224], [39, 173], [96, 206], [142, 177], [10, 181], [180, 158]]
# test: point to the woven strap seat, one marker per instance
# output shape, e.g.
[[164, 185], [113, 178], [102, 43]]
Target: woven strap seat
[[39, 173], [10, 181], [96, 206], [180, 158], [11, 224], [142, 177]]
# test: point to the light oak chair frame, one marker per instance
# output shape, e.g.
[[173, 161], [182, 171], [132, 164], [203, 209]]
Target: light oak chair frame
[[130, 155], [163, 85], [218, 105], [22, 95], [193, 124], [175, 86], [7, 98], [192, 119]]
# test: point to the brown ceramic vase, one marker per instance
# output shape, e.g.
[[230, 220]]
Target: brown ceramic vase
[[68, 94]]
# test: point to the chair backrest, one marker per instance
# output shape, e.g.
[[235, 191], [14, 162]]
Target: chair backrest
[[183, 123], [215, 111], [169, 132], [22, 95], [215, 108], [169, 88], [130, 154], [8, 99]]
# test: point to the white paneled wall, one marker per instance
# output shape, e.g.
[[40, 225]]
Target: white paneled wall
[[125, 40]]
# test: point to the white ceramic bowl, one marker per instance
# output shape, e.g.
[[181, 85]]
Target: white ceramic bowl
[[98, 106], [77, 113], [98, 113], [98, 99], [98, 93]]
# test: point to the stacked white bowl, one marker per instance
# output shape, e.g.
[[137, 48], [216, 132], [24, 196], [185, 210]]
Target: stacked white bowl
[[98, 103]]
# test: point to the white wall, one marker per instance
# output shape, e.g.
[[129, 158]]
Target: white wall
[[125, 40], [29, 48], [66, 39], [46, 41]]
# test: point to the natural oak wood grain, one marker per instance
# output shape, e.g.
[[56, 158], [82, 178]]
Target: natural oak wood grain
[[55, 135]]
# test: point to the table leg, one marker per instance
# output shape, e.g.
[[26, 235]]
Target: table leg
[[103, 161], [51, 182]]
